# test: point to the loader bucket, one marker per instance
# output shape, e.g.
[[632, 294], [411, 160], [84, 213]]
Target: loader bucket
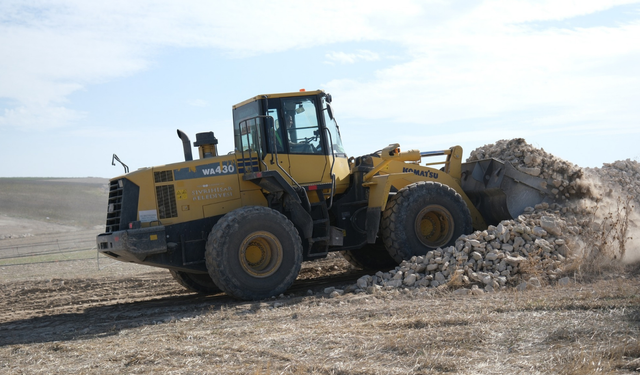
[[501, 192]]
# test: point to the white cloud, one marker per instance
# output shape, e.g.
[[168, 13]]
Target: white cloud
[[351, 58], [36, 117], [499, 12], [467, 59], [51, 49], [486, 69]]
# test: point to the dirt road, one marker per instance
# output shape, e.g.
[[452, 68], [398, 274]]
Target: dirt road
[[58, 308]]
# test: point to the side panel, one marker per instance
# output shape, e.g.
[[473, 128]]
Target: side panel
[[221, 208], [309, 168], [183, 191], [203, 185], [253, 197], [342, 171]]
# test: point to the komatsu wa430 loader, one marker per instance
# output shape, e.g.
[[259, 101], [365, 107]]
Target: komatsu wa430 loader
[[242, 223]]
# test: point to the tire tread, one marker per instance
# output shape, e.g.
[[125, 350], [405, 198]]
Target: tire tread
[[395, 236], [219, 237]]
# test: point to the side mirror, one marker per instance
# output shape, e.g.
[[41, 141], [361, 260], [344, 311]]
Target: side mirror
[[329, 111]]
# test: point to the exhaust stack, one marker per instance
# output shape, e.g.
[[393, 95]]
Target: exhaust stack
[[186, 145]]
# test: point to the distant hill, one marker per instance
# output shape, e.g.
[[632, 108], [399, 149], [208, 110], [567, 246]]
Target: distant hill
[[80, 202]]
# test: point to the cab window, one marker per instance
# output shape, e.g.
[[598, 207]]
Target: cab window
[[246, 126], [336, 141], [301, 124], [275, 128]]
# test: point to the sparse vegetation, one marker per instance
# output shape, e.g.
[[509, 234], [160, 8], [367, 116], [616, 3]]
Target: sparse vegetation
[[574, 329], [61, 201]]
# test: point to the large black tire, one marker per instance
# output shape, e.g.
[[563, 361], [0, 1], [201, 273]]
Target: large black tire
[[254, 253], [196, 282], [371, 257], [423, 216]]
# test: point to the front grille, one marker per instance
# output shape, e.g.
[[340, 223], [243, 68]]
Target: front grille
[[163, 176], [166, 201], [122, 208], [114, 210]]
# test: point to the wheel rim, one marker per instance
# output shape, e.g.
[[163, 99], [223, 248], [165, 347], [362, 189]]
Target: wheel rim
[[434, 226], [261, 254]]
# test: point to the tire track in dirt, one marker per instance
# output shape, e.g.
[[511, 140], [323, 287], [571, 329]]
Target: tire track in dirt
[[65, 309]]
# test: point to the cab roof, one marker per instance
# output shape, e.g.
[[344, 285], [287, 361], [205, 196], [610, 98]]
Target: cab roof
[[280, 95]]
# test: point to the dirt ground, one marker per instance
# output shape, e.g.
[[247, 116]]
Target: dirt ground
[[42, 292], [112, 317]]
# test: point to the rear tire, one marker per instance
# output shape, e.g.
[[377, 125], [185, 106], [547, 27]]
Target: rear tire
[[423, 216], [254, 253], [372, 257], [196, 282]]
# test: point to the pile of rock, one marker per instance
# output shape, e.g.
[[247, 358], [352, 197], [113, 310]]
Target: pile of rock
[[534, 245], [566, 178]]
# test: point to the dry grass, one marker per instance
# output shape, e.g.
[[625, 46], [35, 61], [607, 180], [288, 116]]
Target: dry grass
[[582, 328]]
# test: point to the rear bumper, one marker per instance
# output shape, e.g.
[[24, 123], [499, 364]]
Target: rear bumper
[[133, 245]]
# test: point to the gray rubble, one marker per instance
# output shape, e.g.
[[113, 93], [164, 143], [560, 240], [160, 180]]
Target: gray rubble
[[529, 251], [491, 259]]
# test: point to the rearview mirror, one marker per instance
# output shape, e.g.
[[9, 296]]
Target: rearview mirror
[[329, 111]]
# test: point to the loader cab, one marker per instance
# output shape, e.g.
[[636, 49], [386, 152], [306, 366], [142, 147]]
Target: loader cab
[[294, 132]]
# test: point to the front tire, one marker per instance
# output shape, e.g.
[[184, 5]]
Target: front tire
[[423, 216], [254, 253], [196, 282]]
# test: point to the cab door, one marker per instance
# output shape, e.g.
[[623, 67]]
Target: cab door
[[308, 160], [277, 151]]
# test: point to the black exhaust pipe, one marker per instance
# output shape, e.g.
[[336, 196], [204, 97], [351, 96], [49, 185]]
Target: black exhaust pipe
[[186, 145]]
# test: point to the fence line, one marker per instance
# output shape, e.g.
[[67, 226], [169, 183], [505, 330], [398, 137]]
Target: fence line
[[48, 242], [50, 261], [69, 250], [56, 244], [98, 257]]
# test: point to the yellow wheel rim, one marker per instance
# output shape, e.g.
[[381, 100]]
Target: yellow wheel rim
[[434, 226], [260, 254]]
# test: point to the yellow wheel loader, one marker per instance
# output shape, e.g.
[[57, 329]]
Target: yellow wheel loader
[[242, 223]]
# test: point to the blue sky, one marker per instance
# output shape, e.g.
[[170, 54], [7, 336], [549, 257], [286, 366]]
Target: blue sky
[[80, 81]]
